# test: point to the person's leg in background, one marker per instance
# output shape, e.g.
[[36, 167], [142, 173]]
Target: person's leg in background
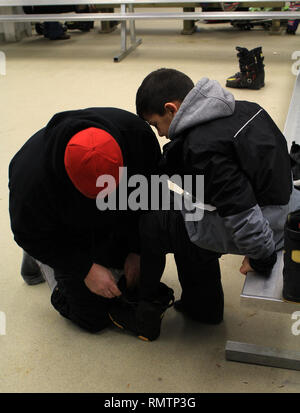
[[52, 30], [55, 31]]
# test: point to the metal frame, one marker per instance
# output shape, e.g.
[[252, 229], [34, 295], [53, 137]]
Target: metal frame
[[292, 124], [124, 16], [117, 2], [265, 356], [127, 14], [266, 294], [134, 43]]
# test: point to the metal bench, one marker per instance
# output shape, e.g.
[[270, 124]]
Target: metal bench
[[16, 24], [127, 14], [266, 294]]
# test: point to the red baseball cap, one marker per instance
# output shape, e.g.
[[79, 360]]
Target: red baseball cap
[[89, 154]]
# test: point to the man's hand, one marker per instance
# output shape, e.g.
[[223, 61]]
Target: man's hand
[[132, 269], [100, 281], [246, 266]]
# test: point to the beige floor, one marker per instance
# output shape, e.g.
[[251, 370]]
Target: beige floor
[[42, 352]]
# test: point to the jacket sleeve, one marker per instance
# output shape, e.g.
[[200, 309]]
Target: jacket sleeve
[[71, 255], [228, 189]]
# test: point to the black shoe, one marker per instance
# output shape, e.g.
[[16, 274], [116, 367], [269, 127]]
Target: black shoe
[[217, 318], [291, 258], [62, 37], [252, 74], [290, 31], [30, 270], [39, 28], [82, 26], [142, 318], [72, 25]]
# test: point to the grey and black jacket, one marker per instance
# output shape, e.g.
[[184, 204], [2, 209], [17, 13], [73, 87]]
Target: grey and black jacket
[[244, 159]]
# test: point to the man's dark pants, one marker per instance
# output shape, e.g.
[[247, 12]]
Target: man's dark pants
[[74, 301], [161, 232]]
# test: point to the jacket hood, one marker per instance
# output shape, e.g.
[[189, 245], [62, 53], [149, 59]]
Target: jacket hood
[[205, 102]]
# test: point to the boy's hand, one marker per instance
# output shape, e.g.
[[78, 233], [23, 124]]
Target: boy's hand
[[100, 281], [132, 269], [246, 267]]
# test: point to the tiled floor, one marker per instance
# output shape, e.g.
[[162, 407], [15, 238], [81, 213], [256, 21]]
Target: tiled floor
[[41, 351]]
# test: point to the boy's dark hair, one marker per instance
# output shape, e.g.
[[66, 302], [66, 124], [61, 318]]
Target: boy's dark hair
[[159, 87]]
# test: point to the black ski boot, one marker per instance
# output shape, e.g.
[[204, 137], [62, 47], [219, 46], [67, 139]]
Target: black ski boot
[[291, 260], [30, 270], [252, 74], [142, 318]]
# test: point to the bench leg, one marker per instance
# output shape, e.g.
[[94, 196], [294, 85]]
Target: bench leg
[[2, 63], [276, 27], [107, 26], [188, 25], [10, 34], [14, 32], [9, 28], [134, 43], [265, 356]]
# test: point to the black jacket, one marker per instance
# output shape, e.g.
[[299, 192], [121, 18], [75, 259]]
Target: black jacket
[[244, 159], [240, 170], [50, 218]]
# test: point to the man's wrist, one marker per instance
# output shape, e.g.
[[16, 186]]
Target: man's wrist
[[263, 266]]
